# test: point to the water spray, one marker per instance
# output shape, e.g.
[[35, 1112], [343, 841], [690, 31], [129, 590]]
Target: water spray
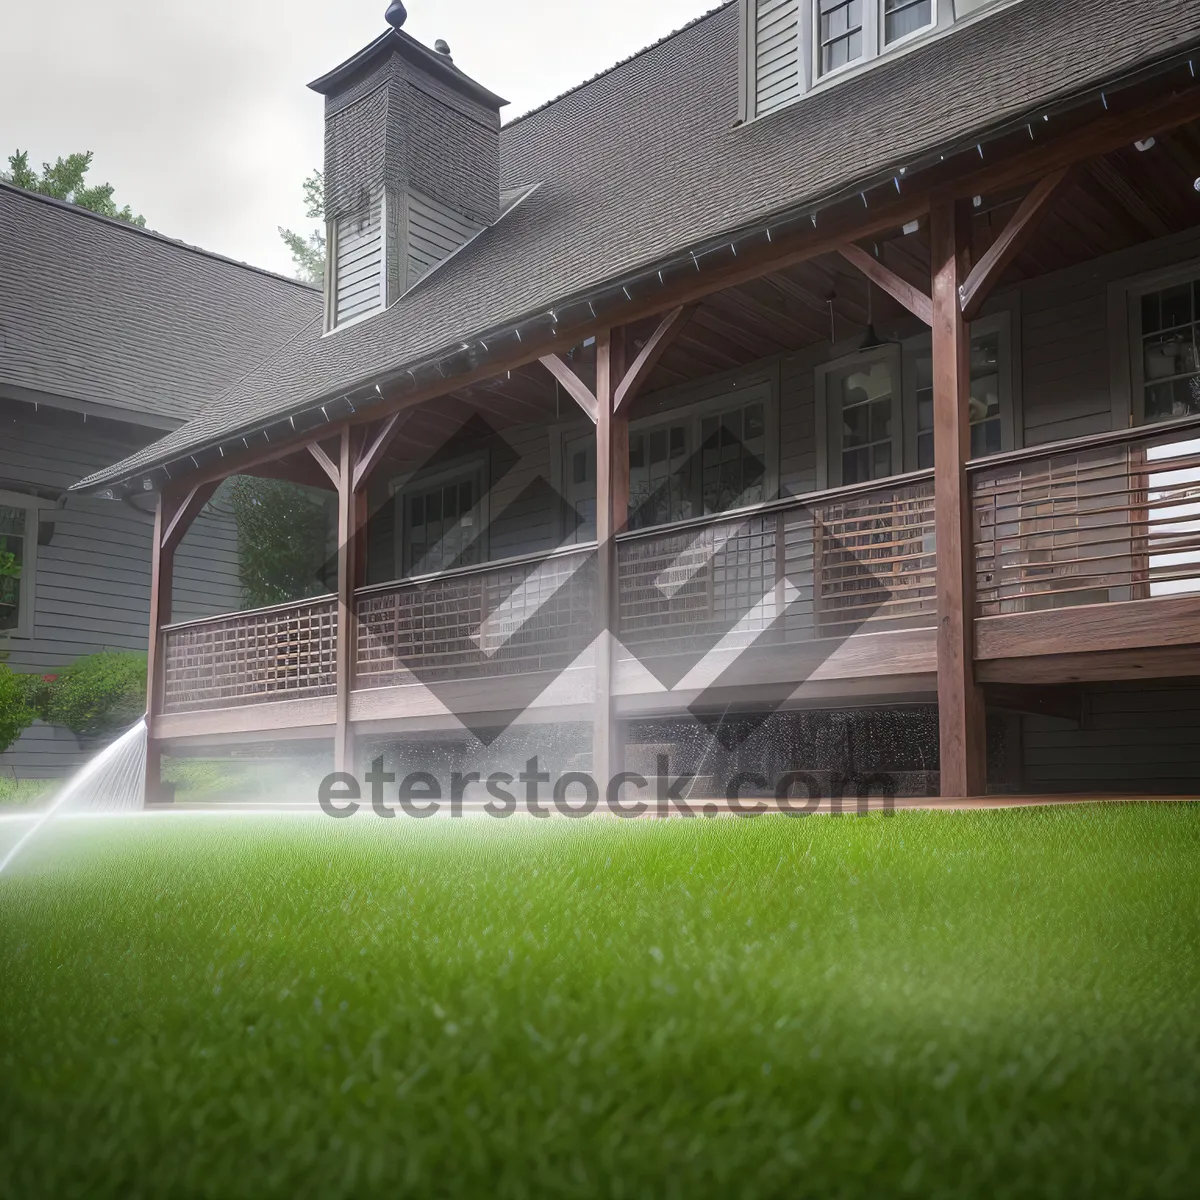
[[113, 781]]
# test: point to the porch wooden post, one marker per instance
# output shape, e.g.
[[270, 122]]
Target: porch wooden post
[[349, 513], [162, 579], [962, 716], [612, 514]]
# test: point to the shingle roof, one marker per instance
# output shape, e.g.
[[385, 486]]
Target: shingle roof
[[648, 159], [96, 310]]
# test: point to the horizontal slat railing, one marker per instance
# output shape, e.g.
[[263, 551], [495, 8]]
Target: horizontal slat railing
[[1115, 518], [828, 566], [283, 653], [530, 615]]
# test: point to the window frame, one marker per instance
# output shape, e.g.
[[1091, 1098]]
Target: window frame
[[829, 458], [474, 468], [1125, 328], [811, 80], [1000, 322], [761, 388], [31, 507], [873, 27]]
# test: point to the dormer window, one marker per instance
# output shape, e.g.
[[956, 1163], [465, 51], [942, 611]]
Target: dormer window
[[794, 46]]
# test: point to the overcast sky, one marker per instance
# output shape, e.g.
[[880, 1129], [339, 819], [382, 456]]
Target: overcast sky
[[197, 110]]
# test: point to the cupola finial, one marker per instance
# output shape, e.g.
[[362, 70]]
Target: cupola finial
[[396, 14]]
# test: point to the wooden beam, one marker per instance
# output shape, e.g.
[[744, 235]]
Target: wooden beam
[[349, 512], [612, 514], [575, 387], [1103, 666], [326, 464], [961, 712], [370, 458], [1091, 628], [1014, 237], [162, 571], [900, 290], [669, 328], [178, 519], [1140, 207]]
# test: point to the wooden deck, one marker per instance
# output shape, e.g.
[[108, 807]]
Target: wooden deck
[[1087, 558]]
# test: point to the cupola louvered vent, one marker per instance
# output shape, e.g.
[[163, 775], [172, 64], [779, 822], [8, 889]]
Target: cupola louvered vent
[[358, 284]]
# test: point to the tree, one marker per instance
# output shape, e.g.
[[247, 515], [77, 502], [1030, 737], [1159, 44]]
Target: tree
[[308, 253], [284, 536], [66, 180]]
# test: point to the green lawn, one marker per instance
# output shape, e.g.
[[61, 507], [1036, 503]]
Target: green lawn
[[999, 1004]]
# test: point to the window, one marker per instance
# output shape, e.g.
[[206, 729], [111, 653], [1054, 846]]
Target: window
[[839, 33], [709, 459], [790, 46], [442, 523], [1167, 352], [875, 407], [580, 491], [991, 393], [659, 488], [902, 17], [733, 470], [859, 410], [18, 552]]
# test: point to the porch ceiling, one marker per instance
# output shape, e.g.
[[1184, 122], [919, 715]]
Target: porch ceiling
[[1113, 203]]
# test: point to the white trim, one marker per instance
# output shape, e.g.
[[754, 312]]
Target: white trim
[[946, 21], [475, 467], [1126, 366], [828, 456], [720, 394], [30, 505], [1003, 322]]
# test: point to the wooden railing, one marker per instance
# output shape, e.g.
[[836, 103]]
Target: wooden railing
[[1110, 518], [840, 562], [533, 614], [835, 563], [282, 653]]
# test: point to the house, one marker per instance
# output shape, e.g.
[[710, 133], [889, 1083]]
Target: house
[[110, 336], [814, 394]]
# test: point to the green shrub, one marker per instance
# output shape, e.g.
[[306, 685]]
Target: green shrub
[[100, 694], [16, 715]]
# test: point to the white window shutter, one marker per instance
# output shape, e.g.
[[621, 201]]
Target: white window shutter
[[775, 75], [358, 283]]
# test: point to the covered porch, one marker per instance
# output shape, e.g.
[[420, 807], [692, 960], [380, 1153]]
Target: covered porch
[[947, 451]]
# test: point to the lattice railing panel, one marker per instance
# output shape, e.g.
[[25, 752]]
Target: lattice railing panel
[[826, 569], [1112, 523], [284, 653], [528, 617], [681, 588], [876, 560]]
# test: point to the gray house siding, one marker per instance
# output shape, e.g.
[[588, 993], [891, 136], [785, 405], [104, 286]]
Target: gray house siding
[[1130, 738], [92, 585]]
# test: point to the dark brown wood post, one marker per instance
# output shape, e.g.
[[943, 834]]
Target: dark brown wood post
[[162, 579], [349, 511], [961, 710], [612, 515]]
